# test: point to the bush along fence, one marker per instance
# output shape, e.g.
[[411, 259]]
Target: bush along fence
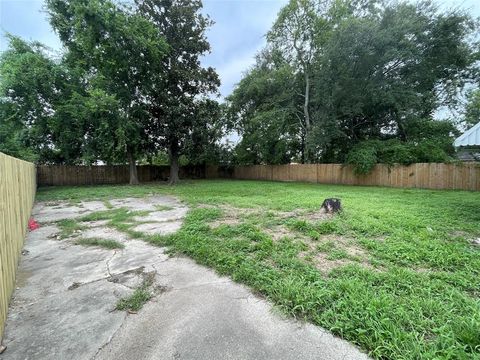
[[51, 175], [17, 193], [462, 176]]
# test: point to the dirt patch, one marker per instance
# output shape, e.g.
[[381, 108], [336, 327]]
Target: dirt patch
[[422, 270], [475, 240], [458, 233], [231, 216], [322, 263], [278, 232], [332, 251], [316, 216], [299, 214], [271, 221], [225, 221]]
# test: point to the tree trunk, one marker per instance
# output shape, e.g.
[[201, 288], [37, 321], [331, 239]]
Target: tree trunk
[[173, 164], [302, 149], [306, 112], [133, 169]]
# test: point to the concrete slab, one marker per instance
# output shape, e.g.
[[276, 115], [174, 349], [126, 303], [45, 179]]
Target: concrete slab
[[150, 203], [203, 316], [45, 212], [161, 228], [104, 233], [164, 215], [64, 304], [136, 254]]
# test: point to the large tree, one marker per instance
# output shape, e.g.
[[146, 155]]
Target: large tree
[[179, 90], [373, 71], [119, 52], [263, 109], [382, 73], [296, 36], [32, 87]]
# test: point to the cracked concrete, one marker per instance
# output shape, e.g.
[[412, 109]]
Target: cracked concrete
[[66, 295]]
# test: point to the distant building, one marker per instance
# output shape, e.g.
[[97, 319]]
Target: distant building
[[468, 144]]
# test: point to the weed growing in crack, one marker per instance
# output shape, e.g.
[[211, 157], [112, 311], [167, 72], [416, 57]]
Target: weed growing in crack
[[114, 215], [69, 227], [108, 204], [140, 296], [104, 243]]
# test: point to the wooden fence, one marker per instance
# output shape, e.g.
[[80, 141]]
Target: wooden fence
[[17, 193], [463, 176], [50, 175]]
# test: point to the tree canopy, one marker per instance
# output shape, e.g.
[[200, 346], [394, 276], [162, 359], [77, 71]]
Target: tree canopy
[[348, 81], [343, 81], [128, 85], [179, 100]]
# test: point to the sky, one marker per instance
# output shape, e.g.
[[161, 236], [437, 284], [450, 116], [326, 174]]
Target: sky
[[237, 35]]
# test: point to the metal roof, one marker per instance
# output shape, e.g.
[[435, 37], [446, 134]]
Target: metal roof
[[470, 137]]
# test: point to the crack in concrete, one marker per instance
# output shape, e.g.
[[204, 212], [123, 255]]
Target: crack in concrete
[[109, 340], [109, 278], [108, 262]]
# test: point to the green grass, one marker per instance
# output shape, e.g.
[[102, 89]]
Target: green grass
[[69, 228], [104, 243], [136, 301], [418, 298]]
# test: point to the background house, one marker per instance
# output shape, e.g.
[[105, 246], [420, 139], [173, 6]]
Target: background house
[[468, 144]]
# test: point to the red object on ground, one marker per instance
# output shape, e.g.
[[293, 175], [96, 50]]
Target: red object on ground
[[33, 225]]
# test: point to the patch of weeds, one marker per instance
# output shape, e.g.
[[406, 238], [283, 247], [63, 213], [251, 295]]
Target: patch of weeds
[[115, 215], [337, 254], [104, 243], [206, 214], [108, 204], [299, 225], [313, 234], [314, 230], [69, 228], [326, 246], [140, 296], [329, 227], [121, 219], [309, 257]]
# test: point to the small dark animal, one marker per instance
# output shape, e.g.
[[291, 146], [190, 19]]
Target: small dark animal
[[331, 205]]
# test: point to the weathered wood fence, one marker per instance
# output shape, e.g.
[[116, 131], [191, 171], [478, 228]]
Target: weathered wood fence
[[49, 175], [17, 193], [463, 176]]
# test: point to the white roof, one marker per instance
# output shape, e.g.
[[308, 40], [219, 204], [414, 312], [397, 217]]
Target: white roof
[[470, 137]]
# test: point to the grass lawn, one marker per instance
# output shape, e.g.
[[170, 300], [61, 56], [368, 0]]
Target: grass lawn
[[396, 273]]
